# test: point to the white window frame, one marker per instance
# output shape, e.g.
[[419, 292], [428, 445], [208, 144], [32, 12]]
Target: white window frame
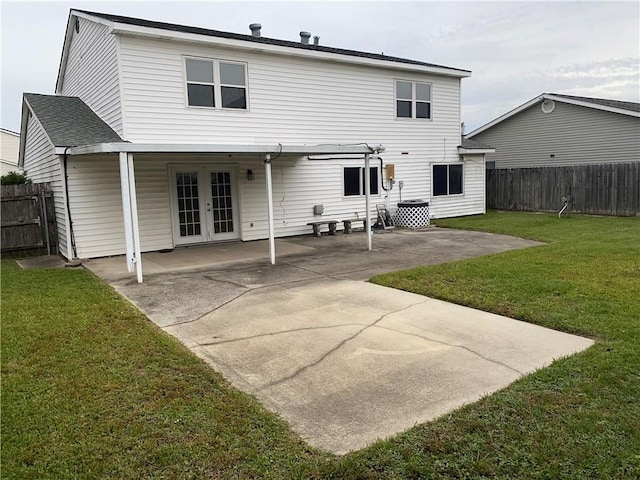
[[433, 179], [217, 84], [361, 181], [414, 100]]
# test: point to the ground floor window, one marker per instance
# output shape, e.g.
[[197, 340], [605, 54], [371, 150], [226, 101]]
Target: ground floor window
[[447, 179], [354, 181]]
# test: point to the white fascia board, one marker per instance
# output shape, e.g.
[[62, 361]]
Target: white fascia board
[[134, 30], [597, 106], [502, 118], [214, 148], [474, 151]]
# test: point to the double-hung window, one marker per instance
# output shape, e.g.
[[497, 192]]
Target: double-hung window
[[447, 179], [216, 84], [413, 100], [354, 181]]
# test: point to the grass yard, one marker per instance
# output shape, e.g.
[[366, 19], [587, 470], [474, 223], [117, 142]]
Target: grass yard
[[92, 389]]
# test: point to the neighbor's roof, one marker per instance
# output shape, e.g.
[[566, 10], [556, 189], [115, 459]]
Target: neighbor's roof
[[631, 106], [614, 106], [263, 40], [69, 121]]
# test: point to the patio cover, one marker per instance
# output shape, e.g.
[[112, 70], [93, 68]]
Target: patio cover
[[270, 152]]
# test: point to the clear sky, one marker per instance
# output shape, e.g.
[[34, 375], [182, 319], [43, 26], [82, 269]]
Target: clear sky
[[516, 50]]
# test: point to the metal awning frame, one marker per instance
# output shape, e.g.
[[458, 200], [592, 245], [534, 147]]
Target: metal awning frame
[[126, 153]]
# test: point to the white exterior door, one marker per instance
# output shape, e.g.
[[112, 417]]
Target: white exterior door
[[204, 204]]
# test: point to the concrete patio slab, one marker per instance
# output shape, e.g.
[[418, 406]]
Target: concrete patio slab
[[348, 362], [345, 362]]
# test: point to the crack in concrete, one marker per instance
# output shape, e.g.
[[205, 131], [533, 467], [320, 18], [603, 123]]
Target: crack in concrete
[[271, 334], [463, 347], [248, 289], [336, 348]]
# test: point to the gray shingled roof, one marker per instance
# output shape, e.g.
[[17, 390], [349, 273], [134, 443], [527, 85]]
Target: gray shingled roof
[[249, 38], [631, 106], [472, 144], [69, 122]]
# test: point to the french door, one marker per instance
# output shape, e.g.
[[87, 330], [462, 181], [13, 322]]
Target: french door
[[204, 204]]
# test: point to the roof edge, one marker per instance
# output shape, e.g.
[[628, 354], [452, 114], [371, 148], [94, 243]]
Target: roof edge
[[555, 98], [140, 27]]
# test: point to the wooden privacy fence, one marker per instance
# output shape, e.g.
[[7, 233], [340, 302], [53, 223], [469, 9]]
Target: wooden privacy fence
[[603, 189], [28, 220]]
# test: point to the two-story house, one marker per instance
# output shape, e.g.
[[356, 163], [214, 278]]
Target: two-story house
[[163, 135]]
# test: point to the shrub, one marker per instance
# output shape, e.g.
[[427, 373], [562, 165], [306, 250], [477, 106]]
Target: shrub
[[15, 178]]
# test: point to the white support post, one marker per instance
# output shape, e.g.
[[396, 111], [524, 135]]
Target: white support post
[[272, 242], [367, 197], [134, 217], [126, 211]]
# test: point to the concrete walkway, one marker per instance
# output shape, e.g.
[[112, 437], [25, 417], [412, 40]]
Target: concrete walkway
[[345, 362]]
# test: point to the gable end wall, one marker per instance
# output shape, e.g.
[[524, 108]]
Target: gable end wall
[[92, 72]]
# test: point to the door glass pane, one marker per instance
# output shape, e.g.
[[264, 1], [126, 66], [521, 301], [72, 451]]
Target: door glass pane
[[222, 210], [188, 204]]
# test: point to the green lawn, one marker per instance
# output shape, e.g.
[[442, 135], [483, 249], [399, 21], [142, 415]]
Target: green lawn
[[91, 389]]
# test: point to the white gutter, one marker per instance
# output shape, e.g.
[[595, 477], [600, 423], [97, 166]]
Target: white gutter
[[215, 148]]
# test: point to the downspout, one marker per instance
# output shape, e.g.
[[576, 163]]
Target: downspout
[[66, 194]]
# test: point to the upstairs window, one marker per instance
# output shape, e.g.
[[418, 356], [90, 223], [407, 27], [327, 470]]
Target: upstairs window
[[413, 100], [354, 181], [216, 84], [200, 84], [447, 179], [233, 85]]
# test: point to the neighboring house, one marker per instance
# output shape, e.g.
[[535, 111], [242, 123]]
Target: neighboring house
[[9, 145], [162, 135], [560, 130]]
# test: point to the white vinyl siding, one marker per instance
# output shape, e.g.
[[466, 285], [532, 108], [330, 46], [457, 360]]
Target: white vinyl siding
[[293, 101], [92, 72], [574, 135], [41, 164], [96, 202]]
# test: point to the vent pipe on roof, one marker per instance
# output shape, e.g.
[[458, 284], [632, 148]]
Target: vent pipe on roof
[[316, 40], [255, 29], [304, 38]]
